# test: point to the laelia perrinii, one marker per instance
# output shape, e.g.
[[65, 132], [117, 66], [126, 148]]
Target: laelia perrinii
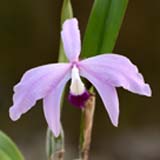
[[105, 72]]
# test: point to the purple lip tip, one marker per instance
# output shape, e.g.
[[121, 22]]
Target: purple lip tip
[[78, 101]]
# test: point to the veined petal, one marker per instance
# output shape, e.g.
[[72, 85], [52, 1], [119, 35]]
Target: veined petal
[[71, 39], [51, 107], [118, 71], [36, 84], [108, 94]]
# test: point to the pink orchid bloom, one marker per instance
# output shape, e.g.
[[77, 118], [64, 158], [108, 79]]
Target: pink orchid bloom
[[105, 72]]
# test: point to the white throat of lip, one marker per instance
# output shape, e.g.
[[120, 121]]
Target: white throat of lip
[[77, 87]]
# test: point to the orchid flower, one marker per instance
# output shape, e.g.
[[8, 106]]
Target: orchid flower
[[105, 72]]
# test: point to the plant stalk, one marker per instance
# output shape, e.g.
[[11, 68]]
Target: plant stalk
[[86, 127]]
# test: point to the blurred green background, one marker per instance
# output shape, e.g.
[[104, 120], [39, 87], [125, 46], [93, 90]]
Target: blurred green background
[[29, 37]]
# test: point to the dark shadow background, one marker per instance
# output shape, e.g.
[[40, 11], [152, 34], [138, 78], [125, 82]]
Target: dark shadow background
[[29, 37]]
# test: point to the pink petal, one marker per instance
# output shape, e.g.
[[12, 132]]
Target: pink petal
[[51, 107], [71, 39], [118, 71], [108, 94], [34, 85]]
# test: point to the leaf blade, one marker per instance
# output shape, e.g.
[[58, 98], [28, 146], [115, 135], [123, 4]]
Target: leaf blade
[[4, 156], [113, 23], [9, 148], [103, 26]]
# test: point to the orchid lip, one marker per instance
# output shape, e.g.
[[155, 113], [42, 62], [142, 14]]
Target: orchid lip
[[79, 100]]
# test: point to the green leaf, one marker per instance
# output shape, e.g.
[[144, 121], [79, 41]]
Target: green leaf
[[4, 156], [8, 150], [103, 26], [66, 13]]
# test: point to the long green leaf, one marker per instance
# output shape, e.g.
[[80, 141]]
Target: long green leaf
[[103, 26], [8, 150], [4, 156]]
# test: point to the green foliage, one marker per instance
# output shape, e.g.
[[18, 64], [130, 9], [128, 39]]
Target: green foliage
[[103, 26], [67, 11], [4, 156], [8, 150]]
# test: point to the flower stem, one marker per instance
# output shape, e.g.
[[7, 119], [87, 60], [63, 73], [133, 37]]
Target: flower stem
[[86, 127]]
